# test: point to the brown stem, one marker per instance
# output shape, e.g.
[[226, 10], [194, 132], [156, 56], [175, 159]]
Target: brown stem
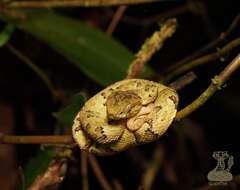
[[73, 3], [202, 60], [116, 18], [53, 139], [150, 46], [52, 176], [207, 47], [152, 168], [183, 81], [216, 84], [98, 172], [228, 71], [117, 185], [84, 170]]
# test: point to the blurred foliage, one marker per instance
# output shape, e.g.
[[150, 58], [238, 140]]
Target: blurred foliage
[[67, 114], [6, 34]]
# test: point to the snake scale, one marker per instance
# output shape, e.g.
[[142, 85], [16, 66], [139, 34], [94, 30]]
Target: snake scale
[[125, 114]]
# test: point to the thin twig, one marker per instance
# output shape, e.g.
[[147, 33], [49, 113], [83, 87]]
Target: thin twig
[[150, 46], [73, 3], [207, 47], [98, 172], [202, 60], [116, 19], [152, 169], [117, 185], [53, 139], [40, 73], [183, 81], [84, 170], [149, 20], [216, 84]]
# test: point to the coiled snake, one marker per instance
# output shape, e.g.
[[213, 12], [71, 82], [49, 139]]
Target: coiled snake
[[125, 114]]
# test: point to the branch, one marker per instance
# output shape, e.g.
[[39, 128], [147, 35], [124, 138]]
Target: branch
[[53, 139], [116, 19], [73, 3], [40, 73], [98, 172], [207, 47], [117, 185], [150, 46], [216, 84], [52, 176], [84, 170], [183, 81], [152, 169], [202, 60]]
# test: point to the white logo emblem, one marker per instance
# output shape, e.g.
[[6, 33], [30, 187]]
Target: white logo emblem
[[221, 173]]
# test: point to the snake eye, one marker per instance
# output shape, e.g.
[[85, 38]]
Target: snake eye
[[123, 104]]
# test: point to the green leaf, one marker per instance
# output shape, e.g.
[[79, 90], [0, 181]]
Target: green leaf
[[67, 114], [100, 57], [97, 55], [35, 167], [6, 34]]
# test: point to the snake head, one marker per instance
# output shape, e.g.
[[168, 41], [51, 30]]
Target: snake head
[[123, 104]]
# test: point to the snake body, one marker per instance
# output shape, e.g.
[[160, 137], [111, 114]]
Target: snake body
[[125, 114]]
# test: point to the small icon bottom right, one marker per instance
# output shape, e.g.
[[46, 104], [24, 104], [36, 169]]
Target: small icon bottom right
[[220, 175]]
